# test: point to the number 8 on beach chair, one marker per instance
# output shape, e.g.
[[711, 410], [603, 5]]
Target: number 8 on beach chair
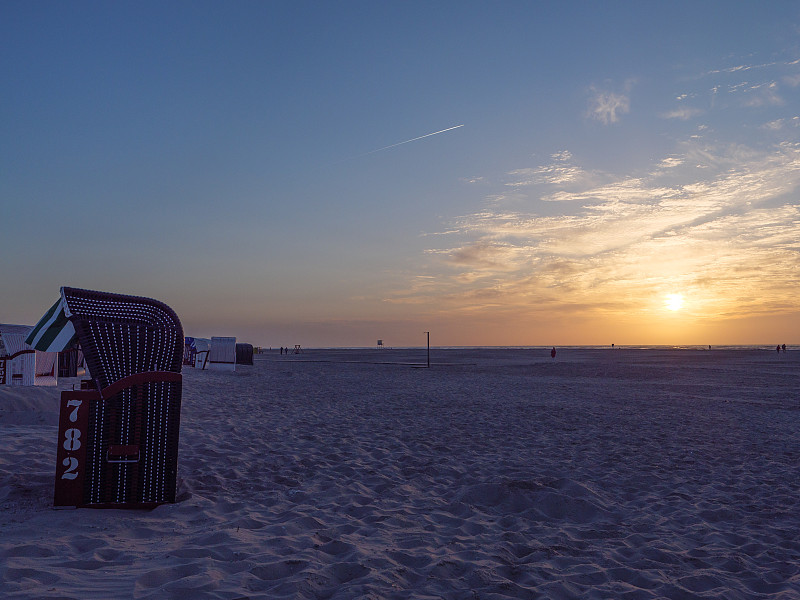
[[118, 440]]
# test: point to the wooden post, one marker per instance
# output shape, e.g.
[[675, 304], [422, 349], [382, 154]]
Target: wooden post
[[429, 348]]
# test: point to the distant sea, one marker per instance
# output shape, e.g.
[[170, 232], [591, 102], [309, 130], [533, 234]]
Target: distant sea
[[766, 347]]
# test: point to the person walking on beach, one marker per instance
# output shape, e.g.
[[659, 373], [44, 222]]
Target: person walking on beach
[[553, 353], [784, 347]]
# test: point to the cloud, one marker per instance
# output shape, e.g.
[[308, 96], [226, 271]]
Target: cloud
[[792, 80], [485, 254], [606, 106], [775, 125], [684, 113], [558, 172], [746, 67], [725, 236], [671, 161], [765, 94], [752, 85], [780, 124]]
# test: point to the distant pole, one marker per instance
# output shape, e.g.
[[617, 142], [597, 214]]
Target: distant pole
[[429, 348]]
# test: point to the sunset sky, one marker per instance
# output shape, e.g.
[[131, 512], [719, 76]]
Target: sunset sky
[[603, 172]]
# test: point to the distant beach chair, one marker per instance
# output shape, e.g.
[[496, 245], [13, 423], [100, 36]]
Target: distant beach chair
[[195, 352], [68, 362], [118, 440], [222, 354], [27, 366], [203, 346], [46, 368], [244, 354], [19, 358], [189, 352]]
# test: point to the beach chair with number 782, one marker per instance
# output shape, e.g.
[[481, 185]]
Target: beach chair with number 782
[[118, 434]]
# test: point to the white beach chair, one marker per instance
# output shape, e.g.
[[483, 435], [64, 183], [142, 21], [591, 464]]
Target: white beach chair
[[222, 355]]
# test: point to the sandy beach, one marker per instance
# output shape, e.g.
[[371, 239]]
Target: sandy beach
[[493, 474]]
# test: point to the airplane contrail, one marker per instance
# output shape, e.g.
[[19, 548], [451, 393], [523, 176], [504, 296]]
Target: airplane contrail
[[401, 143], [413, 139]]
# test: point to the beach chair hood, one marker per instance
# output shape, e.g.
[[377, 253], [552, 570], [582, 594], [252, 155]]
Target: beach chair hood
[[149, 331], [152, 333]]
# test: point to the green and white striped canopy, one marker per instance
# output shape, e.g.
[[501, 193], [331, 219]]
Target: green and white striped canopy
[[54, 332]]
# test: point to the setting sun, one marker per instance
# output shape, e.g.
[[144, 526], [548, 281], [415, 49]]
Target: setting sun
[[674, 301]]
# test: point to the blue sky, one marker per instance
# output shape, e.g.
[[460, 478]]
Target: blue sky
[[626, 171]]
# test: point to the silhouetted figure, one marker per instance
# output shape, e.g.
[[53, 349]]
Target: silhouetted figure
[[553, 353], [784, 347], [778, 348]]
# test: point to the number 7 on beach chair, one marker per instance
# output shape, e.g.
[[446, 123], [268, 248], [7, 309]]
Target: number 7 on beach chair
[[117, 440]]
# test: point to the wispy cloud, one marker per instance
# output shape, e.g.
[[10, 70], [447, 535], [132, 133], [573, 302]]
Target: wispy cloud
[[725, 236], [671, 161], [683, 113], [744, 67], [560, 171], [487, 254], [607, 106], [753, 85], [792, 80], [780, 124], [765, 94]]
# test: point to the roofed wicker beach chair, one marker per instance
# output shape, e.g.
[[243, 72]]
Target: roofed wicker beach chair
[[244, 354], [222, 355], [118, 440]]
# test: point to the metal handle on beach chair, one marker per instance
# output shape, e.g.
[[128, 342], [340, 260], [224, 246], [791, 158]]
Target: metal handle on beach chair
[[123, 454]]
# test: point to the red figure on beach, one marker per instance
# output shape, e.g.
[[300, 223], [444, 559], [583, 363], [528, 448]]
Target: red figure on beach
[[553, 353]]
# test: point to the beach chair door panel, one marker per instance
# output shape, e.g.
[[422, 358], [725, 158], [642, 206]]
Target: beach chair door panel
[[134, 445]]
